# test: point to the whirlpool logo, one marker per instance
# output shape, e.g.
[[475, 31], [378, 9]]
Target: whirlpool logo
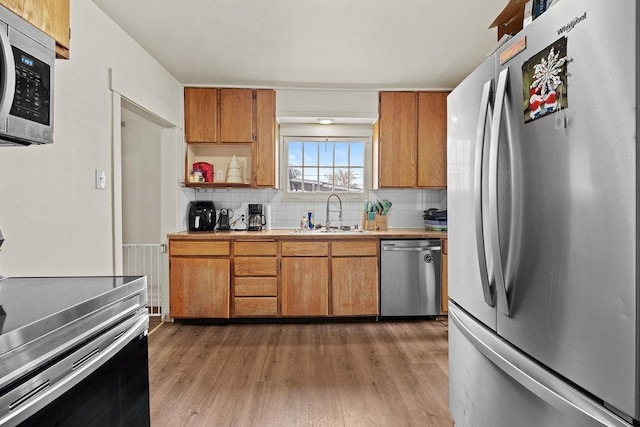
[[573, 23]]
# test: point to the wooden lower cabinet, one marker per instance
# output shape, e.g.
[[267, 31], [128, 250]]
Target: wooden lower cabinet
[[255, 278], [199, 287], [278, 278], [355, 278], [354, 286], [305, 286]]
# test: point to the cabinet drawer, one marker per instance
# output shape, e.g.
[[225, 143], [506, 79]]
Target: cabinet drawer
[[219, 248], [256, 287], [255, 266], [294, 248], [355, 248], [256, 307], [256, 248]]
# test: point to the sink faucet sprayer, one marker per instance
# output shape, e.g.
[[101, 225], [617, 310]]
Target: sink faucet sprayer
[[328, 220]]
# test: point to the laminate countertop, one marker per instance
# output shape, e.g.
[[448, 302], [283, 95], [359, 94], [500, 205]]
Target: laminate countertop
[[290, 233]]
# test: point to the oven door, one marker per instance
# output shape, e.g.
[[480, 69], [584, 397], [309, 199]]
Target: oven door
[[26, 88], [104, 382]]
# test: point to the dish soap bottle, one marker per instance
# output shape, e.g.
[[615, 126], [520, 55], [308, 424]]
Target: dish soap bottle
[[310, 220]]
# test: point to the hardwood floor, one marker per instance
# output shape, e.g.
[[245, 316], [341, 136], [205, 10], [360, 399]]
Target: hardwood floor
[[300, 374]]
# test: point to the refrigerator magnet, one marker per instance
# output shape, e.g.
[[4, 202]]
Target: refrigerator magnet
[[544, 81]]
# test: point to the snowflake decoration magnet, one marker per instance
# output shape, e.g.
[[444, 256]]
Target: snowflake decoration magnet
[[544, 81]]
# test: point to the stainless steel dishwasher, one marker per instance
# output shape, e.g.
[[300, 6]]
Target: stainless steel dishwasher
[[410, 277]]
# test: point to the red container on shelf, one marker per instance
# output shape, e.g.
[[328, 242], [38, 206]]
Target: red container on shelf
[[207, 170]]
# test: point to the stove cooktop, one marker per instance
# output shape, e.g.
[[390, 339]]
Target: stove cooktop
[[42, 318], [26, 300]]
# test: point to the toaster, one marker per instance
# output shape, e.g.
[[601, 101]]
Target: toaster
[[202, 216]]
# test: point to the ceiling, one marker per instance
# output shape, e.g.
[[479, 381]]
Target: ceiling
[[308, 44]]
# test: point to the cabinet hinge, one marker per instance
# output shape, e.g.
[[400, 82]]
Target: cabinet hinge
[[69, 33]]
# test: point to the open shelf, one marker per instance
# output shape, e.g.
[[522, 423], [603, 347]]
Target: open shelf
[[219, 155]]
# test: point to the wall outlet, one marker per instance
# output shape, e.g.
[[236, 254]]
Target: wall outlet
[[101, 179]]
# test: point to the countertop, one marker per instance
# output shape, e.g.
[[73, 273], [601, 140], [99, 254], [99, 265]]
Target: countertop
[[290, 233]]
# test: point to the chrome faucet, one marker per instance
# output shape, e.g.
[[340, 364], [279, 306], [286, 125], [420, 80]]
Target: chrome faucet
[[328, 219]]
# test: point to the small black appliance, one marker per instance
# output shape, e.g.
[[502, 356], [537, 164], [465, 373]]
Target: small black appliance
[[202, 216], [223, 220], [256, 218]]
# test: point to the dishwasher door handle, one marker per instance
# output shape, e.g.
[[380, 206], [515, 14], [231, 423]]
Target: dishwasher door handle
[[411, 248]]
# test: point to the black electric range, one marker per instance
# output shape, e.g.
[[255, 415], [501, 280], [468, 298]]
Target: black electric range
[[56, 331]]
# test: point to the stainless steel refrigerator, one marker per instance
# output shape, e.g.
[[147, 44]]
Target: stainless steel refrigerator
[[543, 225]]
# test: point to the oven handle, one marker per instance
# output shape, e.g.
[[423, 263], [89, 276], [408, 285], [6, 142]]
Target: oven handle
[[8, 88], [83, 367]]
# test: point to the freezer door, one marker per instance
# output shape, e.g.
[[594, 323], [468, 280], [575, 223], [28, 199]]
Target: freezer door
[[492, 384], [567, 218], [469, 118]]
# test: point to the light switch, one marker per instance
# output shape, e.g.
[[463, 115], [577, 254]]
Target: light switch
[[101, 179]]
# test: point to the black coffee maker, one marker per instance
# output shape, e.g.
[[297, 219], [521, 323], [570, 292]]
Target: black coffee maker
[[255, 220]]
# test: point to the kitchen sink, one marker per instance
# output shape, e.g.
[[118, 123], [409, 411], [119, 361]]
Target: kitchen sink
[[330, 231]]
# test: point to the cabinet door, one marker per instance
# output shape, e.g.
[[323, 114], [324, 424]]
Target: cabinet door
[[264, 157], [432, 139], [200, 114], [398, 139], [50, 16], [305, 286], [199, 287], [354, 286], [236, 115]]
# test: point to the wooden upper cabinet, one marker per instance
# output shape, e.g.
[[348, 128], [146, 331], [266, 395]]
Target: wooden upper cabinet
[[264, 155], [200, 114], [432, 139], [236, 115], [412, 140], [50, 16], [398, 136]]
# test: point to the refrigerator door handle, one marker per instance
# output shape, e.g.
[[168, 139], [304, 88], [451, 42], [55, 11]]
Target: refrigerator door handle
[[496, 251], [485, 107], [534, 377]]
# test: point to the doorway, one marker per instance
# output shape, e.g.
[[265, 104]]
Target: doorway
[[147, 199]]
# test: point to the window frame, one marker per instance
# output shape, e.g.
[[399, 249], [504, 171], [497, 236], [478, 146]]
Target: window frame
[[321, 196]]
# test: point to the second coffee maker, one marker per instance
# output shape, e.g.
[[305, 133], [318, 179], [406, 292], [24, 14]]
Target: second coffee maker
[[255, 218]]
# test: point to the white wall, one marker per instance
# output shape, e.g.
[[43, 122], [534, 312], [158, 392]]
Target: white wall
[[141, 179], [55, 222]]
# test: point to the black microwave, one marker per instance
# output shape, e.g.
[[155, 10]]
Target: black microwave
[[27, 60]]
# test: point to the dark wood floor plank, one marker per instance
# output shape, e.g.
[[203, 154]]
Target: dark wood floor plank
[[300, 374]]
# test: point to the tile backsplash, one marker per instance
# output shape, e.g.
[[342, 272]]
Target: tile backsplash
[[406, 212]]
